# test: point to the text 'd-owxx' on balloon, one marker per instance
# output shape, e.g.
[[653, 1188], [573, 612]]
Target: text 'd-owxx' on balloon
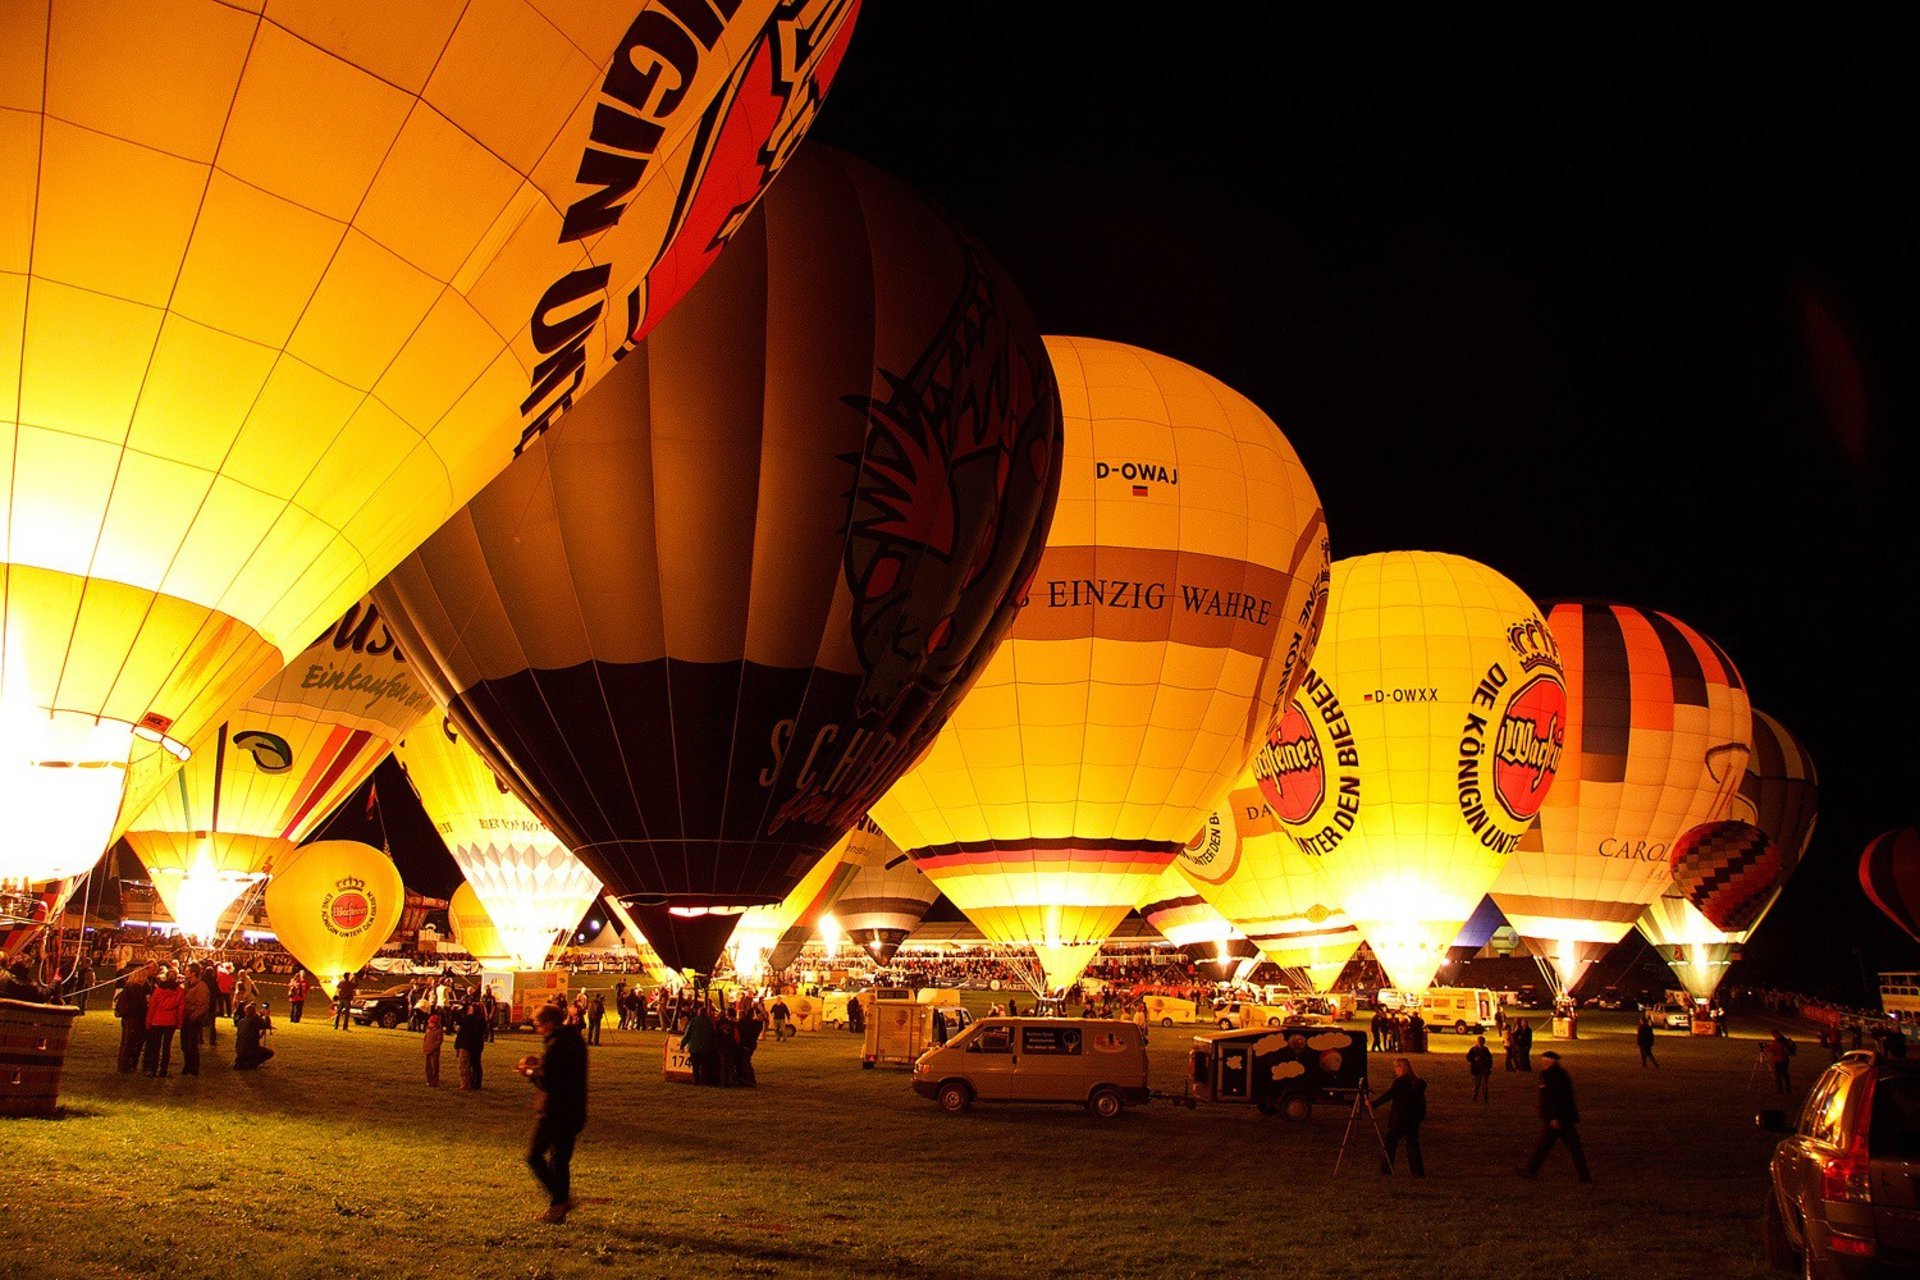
[[1419, 748], [333, 904], [527, 881], [701, 624], [281, 286], [1260, 881], [1657, 733], [263, 780], [1172, 614]]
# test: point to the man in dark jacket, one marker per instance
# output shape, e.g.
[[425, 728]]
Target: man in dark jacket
[[1643, 1037], [561, 1076], [749, 1030], [196, 1010], [343, 1002], [130, 1006], [469, 1040], [1559, 1120], [702, 1051], [1480, 1067], [1408, 1096]]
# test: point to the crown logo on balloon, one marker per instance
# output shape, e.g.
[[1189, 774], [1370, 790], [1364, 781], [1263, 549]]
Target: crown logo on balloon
[[345, 883], [1532, 641]]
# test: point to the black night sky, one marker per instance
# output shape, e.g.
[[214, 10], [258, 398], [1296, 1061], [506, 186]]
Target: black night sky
[[1623, 311]]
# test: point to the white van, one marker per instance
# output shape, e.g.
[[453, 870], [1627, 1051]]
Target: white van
[[1467, 1010], [1098, 1063]]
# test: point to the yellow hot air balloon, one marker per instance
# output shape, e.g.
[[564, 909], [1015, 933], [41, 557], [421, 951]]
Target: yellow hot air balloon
[[332, 904], [1171, 614], [1267, 889], [527, 881], [762, 930], [264, 780], [1190, 922], [474, 929], [650, 960], [1419, 748], [282, 286], [1657, 738]]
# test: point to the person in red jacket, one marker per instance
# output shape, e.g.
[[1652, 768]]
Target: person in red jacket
[[296, 995], [165, 1008]]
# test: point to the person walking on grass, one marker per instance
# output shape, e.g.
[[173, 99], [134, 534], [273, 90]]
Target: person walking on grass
[[430, 1042], [780, 1015], [469, 1041], [596, 1014], [560, 1074], [1643, 1037], [1480, 1067], [163, 1020], [490, 1007], [196, 1008], [1559, 1121], [296, 995], [1408, 1096]]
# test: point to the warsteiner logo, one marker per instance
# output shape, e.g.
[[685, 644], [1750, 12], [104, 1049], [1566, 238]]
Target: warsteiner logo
[[348, 908], [1294, 763], [1526, 751]]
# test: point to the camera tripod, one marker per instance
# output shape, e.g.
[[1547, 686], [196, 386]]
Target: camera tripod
[[1362, 1102]]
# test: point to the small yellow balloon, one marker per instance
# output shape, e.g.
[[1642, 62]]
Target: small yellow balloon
[[475, 930], [333, 904]]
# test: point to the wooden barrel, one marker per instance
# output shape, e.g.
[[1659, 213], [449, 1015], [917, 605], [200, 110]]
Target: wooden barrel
[[33, 1053]]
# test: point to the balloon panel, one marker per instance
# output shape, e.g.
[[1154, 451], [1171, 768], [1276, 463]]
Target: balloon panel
[[524, 877], [1657, 734], [1730, 870], [1184, 918], [1421, 746], [333, 904], [280, 290], [703, 625], [887, 897]]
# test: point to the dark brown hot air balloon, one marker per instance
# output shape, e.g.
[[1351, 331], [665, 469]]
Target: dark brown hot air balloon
[[1890, 875], [709, 617]]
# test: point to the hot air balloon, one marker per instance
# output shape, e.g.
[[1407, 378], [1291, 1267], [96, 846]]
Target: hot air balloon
[[1185, 919], [1695, 949], [332, 904], [474, 929], [650, 960], [1890, 877], [1730, 870], [1419, 748], [887, 897], [1657, 737], [280, 290], [767, 938], [699, 629], [528, 883], [1172, 612], [27, 909], [1243, 864], [264, 780]]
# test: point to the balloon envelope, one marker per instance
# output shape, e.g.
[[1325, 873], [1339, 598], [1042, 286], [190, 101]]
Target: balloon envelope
[[1698, 951], [474, 929], [1419, 748], [887, 897], [265, 779], [282, 286], [333, 904], [1890, 877], [1730, 870], [528, 883], [1657, 738], [1172, 613], [702, 624]]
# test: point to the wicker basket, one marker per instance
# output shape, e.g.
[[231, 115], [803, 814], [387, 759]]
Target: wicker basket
[[33, 1053]]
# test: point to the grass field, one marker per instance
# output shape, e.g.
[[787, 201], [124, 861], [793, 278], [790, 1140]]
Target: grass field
[[336, 1160]]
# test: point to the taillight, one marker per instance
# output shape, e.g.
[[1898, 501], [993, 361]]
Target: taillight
[[1847, 1177]]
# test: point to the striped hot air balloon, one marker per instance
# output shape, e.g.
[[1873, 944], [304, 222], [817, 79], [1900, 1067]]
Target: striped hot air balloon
[[1169, 620], [1780, 790], [265, 780], [887, 898], [282, 286], [1657, 734], [767, 938], [1890, 876], [1187, 920], [1730, 870], [700, 625], [1265, 888]]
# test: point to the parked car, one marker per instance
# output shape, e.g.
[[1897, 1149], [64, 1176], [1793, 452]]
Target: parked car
[[1244, 1013], [387, 1008], [1844, 1198], [1097, 1063]]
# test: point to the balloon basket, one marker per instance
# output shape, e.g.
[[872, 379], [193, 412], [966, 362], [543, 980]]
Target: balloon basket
[[33, 1055]]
